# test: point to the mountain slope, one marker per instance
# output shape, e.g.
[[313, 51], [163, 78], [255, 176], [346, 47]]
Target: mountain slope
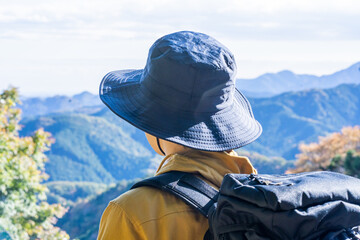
[[134, 132], [89, 148], [295, 117]]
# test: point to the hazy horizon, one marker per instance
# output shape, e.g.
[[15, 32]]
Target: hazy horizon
[[69, 94]]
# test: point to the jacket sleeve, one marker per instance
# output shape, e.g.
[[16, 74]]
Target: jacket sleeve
[[115, 224]]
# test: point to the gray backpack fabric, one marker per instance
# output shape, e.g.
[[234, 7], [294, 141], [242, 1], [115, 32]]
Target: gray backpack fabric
[[309, 206]]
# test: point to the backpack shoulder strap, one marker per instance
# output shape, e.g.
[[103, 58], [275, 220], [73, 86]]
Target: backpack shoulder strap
[[191, 189]]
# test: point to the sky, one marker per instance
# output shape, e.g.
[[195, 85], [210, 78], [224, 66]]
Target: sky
[[50, 47]]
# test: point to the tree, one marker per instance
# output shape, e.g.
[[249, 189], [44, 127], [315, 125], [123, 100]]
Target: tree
[[24, 212], [352, 164], [336, 152]]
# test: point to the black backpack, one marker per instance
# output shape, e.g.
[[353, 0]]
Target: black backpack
[[314, 205]]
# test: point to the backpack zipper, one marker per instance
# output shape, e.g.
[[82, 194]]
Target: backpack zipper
[[253, 177]]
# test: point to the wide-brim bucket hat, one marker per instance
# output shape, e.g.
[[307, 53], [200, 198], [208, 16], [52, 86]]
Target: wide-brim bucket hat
[[185, 94]]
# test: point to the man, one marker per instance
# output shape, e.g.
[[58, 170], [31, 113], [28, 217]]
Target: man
[[186, 102]]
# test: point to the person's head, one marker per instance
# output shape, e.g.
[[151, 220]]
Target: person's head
[[185, 95]]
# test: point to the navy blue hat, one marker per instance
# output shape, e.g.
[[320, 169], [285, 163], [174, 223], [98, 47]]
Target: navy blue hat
[[185, 94]]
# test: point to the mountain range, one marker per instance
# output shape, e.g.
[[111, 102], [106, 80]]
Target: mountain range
[[270, 84]]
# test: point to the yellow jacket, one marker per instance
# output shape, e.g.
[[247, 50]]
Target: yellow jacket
[[149, 213]]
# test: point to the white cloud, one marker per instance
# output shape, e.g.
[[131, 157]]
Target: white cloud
[[76, 42], [252, 19]]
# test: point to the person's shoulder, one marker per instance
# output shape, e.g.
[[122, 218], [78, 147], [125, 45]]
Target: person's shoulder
[[146, 203], [149, 213]]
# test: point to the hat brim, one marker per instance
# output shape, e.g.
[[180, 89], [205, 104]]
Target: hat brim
[[227, 129]]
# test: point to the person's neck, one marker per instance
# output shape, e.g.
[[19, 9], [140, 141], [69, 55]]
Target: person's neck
[[172, 148]]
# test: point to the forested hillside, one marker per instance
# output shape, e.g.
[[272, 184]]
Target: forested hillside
[[89, 148], [294, 117]]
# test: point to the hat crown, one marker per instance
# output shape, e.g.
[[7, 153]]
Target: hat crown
[[195, 49], [190, 71]]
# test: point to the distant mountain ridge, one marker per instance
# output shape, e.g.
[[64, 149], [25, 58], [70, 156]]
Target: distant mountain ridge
[[36, 106], [285, 81]]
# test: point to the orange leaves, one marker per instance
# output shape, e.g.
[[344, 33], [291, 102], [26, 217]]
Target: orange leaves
[[318, 156]]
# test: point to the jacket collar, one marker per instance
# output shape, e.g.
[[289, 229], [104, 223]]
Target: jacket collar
[[210, 165]]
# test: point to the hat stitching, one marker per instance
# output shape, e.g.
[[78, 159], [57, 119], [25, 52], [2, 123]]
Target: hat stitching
[[222, 142]]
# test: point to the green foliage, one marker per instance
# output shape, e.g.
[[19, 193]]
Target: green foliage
[[352, 163], [348, 164], [336, 164], [24, 212]]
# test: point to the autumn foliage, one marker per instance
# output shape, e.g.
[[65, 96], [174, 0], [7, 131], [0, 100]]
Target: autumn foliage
[[24, 212], [337, 152]]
